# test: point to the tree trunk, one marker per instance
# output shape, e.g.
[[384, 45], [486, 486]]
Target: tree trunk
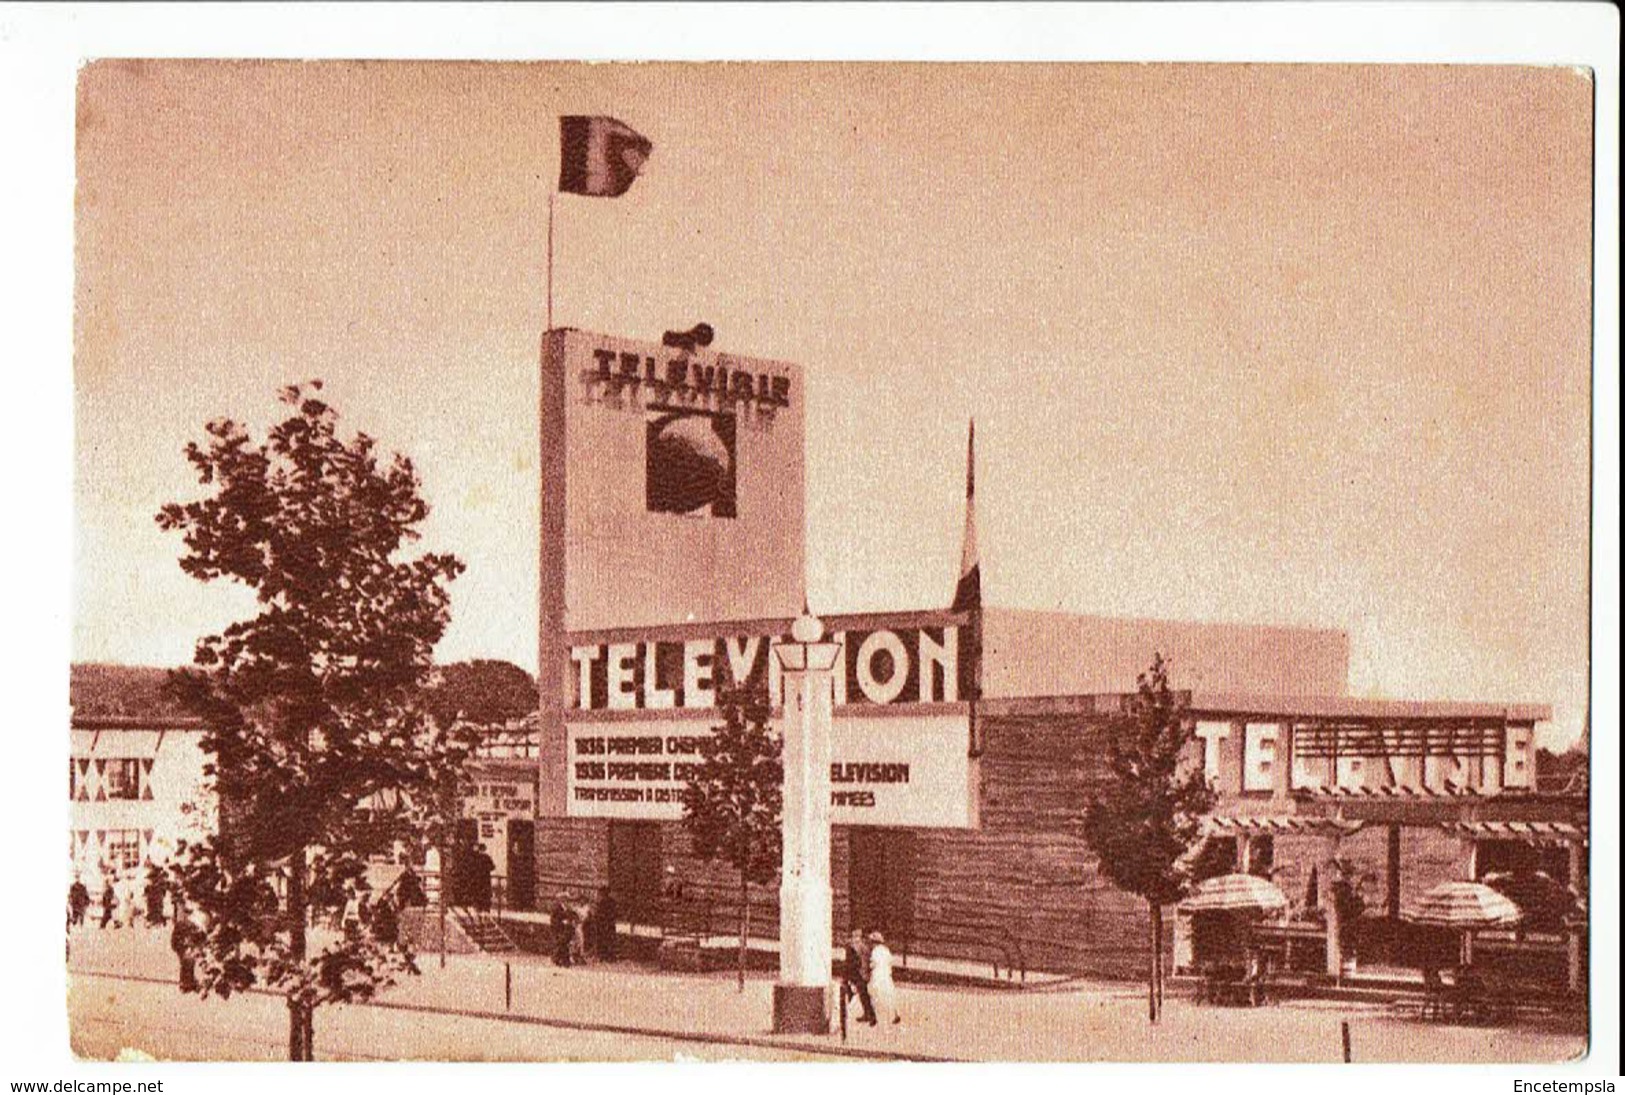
[[744, 925], [1156, 952], [299, 1021], [296, 1033], [1151, 971]]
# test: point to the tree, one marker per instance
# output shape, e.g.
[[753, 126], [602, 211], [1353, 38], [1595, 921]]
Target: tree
[[734, 801], [313, 709], [483, 691], [1145, 820]]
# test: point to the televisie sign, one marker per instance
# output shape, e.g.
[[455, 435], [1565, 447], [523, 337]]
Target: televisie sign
[[684, 380]]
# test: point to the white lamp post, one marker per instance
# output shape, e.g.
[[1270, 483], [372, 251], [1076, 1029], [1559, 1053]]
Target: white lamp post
[[806, 913]]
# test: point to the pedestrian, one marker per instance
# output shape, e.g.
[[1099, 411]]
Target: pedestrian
[[562, 918], [109, 901], [604, 916], [78, 902], [855, 976], [350, 920], [183, 936], [881, 987], [316, 889], [578, 930], [1349, 906], [410, 889], [480, 868], [154, 894], [386, 927]]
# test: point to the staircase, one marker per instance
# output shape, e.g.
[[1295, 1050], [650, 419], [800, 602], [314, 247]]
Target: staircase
[[484, 931]]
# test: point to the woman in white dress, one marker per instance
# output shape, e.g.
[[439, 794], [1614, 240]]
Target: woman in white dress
[[882, 990], [129, 895]]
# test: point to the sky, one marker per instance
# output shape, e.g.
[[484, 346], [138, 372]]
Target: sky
[[1249, 343]]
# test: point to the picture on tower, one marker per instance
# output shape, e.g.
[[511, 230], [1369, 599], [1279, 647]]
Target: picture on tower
[[690, 463]]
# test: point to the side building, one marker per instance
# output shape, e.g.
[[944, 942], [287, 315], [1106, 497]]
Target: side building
[[136, 788]]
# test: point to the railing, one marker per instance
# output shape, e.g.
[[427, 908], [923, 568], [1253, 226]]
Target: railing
[[710, 914], [714, 914], [994, 938]]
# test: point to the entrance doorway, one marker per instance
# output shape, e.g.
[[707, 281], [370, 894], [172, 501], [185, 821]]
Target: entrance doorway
[[881, 875], [634, 870], [458, 880], [521, 861]]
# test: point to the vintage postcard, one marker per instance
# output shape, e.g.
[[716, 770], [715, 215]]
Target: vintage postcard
[[1079, 562]]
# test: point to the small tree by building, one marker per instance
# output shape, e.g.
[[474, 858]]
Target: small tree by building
[[319, 741], [734, 801], [1146, 818]]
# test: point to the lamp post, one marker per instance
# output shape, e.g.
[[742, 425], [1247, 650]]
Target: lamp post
[[806, 912]]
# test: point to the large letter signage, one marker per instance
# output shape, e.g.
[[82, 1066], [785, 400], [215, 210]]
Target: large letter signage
[[879, 666]]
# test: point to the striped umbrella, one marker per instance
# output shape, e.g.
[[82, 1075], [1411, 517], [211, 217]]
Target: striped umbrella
[[1235, 893], [1466, 905]]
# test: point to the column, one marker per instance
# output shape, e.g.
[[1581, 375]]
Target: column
[[1393, 872], [1329, 875], [806, 914], [1574, 941]]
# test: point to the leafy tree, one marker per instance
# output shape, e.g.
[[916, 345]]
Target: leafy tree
[[313, 712], [483, 691], [734, 801], [1146, 818]]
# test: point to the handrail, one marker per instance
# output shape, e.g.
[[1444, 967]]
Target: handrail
[[711, 913], [993, 937]]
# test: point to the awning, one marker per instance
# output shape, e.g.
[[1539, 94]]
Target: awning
[[1228, 825], [1562, 833], [1235, 893], [1450, 791], [1463, 905]]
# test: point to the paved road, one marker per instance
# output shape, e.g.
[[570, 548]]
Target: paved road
[[660, 1015], [114, 1017]]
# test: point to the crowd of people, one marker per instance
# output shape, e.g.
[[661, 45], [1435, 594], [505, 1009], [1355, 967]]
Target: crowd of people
[[339, 898], [125, 899]]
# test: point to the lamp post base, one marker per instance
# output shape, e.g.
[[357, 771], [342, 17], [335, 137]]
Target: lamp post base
[[800, 1009]]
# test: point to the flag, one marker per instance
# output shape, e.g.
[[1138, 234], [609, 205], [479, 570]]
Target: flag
[[599, 157], [969, 593]]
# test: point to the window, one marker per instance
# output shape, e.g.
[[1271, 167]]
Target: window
[[122, 779], [122, 851]]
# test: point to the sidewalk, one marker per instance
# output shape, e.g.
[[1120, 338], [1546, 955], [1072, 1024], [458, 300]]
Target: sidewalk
[[1084, 1022]]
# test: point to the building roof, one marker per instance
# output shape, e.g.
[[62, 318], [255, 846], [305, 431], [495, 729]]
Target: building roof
[[1273, 707], [133, 722], [1334, 707]]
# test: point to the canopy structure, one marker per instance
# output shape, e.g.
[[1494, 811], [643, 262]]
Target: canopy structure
[[1270, 825], [1235, 893], [1466, 905], [1546, 833]]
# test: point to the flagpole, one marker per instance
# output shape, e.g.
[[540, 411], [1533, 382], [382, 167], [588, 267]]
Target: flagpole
[[552, 199]]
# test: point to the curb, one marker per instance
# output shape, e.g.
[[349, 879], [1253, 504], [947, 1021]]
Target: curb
[[700, 1037]]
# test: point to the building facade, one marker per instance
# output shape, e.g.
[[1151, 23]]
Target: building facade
[[136, 788], [967, 743]]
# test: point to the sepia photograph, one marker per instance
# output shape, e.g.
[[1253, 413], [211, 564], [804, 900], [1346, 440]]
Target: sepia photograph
[[926, 560]]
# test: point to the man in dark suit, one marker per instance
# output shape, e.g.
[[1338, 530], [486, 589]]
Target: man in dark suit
[[855, 975]]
